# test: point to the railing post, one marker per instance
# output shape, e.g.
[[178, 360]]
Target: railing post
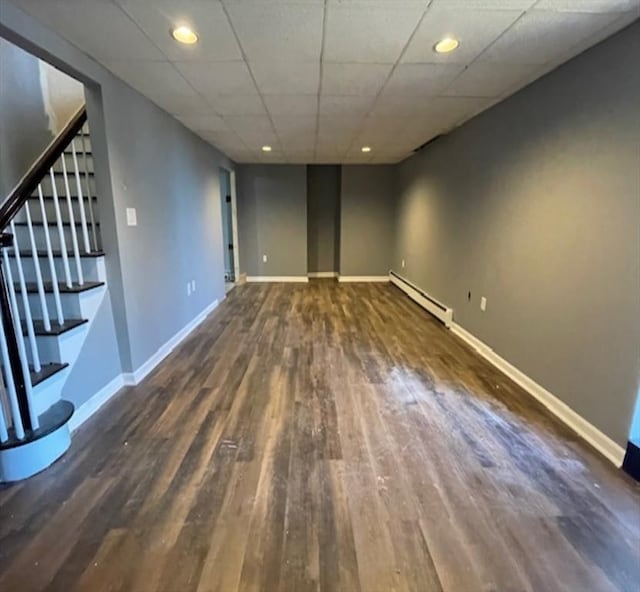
[[8, 326]]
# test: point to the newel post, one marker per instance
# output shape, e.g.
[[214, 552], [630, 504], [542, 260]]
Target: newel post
[[8, 327]]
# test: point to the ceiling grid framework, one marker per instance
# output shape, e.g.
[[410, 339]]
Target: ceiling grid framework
[[318, 79]]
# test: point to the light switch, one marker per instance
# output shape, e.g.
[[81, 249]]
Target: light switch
[[132, 217], [264, 258], [403, 264], [483, 304]]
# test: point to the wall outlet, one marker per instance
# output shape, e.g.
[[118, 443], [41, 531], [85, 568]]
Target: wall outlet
[[264, 258], [483, 304], [403, 264], [188, 288], [132, 217], [193, 285]]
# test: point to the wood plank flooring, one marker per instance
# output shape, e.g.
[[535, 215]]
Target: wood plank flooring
[[323, 437]]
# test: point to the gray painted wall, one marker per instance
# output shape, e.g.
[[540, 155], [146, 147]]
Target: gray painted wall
[[24, 132], [367, 212], [535, 204], [272, 219], [323, 217], [147, 160]]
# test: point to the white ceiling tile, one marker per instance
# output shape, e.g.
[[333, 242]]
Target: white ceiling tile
[[216, 39], [368, 34], [353, 79], [484, 4], [218, 78], [291, 105], [306, 123], [539, 36], [149, 77], [421, 79], [475, 30], [344, 107], [286, 77], [101, 29], [206, 123], [487, 79], [247, 123], [237, 104], [278, 32], [392, 105], [588, 5]]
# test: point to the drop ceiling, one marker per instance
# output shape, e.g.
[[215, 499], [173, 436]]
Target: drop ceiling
[[319, 79]]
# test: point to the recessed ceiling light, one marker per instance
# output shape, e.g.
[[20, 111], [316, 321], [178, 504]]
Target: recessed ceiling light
[[446, 45], [266, 148], [366, 148], [184, 34]]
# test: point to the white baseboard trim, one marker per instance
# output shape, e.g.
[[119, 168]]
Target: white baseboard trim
[[278, 278], [92, 405], [363, 278], [323, 274], [601, 442], [89, 407], [134, 378]]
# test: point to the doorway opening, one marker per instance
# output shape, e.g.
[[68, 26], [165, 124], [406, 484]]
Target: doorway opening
[[229, 228]]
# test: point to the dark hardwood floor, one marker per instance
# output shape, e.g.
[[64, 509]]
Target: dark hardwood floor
[[323, 437]]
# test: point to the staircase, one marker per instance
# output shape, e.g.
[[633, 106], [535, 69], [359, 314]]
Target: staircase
[[52, 281]]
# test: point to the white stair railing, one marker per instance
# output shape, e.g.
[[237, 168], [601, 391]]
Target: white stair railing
[[33, 271]]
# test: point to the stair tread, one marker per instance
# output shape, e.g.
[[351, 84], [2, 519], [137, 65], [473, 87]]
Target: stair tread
[[52, 419], [38, 327], [53, 224], [32, 287], [50, 197], [71, 173], [57, 253], [46, 371]]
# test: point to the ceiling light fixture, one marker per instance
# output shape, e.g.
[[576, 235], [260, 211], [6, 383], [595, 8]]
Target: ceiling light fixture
[[184, 34], [366, 148], [266, 148], [446, 45]]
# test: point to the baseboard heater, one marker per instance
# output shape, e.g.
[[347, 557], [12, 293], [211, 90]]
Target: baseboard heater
[[437, 309]]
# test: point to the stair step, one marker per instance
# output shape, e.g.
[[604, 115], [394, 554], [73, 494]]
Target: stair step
[[32, 287], [46, 371], [79, 152], [53, 418], [44, 254], [71, 173], [38, 327], [61, 198], [78, 224]]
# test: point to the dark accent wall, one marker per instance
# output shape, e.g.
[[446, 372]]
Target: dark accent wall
[[535, 205], [367, 213], [323, 218]]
